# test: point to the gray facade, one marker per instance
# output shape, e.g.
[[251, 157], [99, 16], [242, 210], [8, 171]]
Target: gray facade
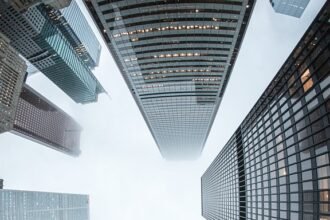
[[176, 57], [41, 121], [21, 5], [276, 165], [12, 73], [36, 34], [29, 205], [83, 37], [293, 8]]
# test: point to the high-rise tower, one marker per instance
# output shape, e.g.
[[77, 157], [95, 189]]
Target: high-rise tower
[[41, 121], [36, 34], [80, 34], [176, 57], [12, 73], [293, 8], [25, 4], [29, 205], [276, 165]]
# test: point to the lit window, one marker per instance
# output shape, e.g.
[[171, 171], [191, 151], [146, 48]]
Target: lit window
[[324, 196], [304, 77], [324, 184]]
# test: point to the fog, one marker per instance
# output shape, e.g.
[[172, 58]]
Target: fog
[[120, 166]]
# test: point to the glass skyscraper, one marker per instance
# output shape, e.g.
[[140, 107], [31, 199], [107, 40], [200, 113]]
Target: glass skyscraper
[[36, 35], [82, 36], [276, 165], [25, 4], [293, 8], [41, 121], [12, 73], [28, 205], [176, 57]]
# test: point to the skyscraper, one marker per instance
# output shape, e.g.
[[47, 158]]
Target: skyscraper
[[35, 34], [28, 205], [82, 36], [293, 8], [41, 121], [276, 165], [1, 183], [25, 4], [176, 57], [12, 73]]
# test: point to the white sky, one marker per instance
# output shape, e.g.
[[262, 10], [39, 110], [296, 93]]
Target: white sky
[[120, 166]]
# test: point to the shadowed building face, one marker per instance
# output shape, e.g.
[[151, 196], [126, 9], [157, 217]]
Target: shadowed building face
[[276, 165], [41, 121], [12, 73], [176, 57]]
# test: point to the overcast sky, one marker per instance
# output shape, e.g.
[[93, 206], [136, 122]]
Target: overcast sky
[[120, 166]]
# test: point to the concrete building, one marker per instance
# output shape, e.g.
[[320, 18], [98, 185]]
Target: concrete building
[[12, 73]]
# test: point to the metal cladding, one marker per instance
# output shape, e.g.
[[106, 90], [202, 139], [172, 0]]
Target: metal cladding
[[41, 121], [276, 165], [176, 57]]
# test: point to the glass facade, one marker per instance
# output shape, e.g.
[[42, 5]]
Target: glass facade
[[282, 147], [293, 8], [39, 120], [39, 39], [176, 57], [82, 36], [25, 4], [12, 73], [28, 205]]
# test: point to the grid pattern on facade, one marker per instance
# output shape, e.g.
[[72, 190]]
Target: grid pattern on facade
[[286, 136], [84, 40], [176, 57], [28, 205], [222, 202], [12, 72], [292, 7], [37, 37], [41, 121]]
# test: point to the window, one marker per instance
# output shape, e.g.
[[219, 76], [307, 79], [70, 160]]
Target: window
[[322, 160], [306, 76], [324, 184], [323, 171]]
